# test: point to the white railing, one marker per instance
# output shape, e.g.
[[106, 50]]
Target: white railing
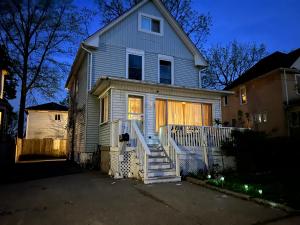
[[194, 136], [171, 147], [142, 150]]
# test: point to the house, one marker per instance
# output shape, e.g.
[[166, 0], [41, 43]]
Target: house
[[136, 95], [5, 107], [47, 121], [267, 96]]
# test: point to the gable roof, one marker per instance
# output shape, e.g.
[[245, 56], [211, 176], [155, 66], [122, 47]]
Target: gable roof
[[51, 106], [198, 57], [92, 40], [274, 61]]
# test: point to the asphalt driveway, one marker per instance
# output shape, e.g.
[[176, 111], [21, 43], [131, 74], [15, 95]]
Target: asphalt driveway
[[95, 199]]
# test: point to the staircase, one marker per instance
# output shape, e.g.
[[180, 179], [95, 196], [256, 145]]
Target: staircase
[[160, 168]]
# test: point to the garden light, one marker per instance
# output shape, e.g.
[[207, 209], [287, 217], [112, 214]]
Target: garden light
[[208, 176], [222, 178], [260, 191], [246, 187]]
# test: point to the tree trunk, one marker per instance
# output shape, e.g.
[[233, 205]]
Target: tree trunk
[[22, 110]]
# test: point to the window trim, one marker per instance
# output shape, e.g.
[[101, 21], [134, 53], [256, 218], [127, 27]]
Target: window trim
[[131, 51], [128, 94], [241, 102], [161, 22], [169, 59], [296, 81], [102, 99]]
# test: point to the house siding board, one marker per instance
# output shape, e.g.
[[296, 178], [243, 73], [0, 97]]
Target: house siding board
[[110, 57], [92, 135]]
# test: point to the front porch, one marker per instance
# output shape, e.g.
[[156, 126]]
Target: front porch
[[177, 150]]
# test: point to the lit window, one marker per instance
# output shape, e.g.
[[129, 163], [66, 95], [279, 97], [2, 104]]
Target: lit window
[[104, 109], [135, 107], [243, 95], [150, 24], [57, 117]]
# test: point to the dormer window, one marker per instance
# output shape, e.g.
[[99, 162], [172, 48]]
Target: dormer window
[[150, 24]]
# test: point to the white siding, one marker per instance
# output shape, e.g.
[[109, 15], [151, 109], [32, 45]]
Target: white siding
[[42, 124]]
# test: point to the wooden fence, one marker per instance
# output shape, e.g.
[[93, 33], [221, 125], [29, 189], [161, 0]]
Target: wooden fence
[[41, 147]]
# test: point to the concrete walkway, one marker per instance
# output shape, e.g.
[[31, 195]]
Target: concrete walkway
[[94, 199]]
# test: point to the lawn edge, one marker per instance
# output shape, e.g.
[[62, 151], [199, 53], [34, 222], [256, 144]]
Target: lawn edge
[[243, 196]]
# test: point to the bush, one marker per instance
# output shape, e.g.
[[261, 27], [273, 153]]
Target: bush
[[256, 152]]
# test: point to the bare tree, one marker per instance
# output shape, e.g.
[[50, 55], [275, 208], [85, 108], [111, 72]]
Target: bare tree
[[227, 63], [195, 24], [39, 35]]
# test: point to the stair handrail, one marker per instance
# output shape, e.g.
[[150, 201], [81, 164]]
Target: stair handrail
[[174, 151], [141, 148]]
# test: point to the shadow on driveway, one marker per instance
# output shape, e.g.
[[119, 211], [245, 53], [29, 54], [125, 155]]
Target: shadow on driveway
[[32, 170]]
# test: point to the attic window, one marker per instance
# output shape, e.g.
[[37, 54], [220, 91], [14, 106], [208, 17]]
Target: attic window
[[150, 24], [57, 117]]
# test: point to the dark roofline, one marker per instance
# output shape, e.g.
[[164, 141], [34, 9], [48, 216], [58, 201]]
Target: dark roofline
[[272, 62], [51, 106]]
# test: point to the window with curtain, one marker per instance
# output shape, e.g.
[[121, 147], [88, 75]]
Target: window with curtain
[[161, 114], [182, 113], [135, 107]]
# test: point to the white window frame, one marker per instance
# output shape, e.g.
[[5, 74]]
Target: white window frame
[[128, 94], [161, 22], [131, 51], [297, 85], [241, 102], [102, 99], [169, 59]]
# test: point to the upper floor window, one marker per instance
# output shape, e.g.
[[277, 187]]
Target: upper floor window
[[243, 95], [57, 117], [134, 64], [297, 78], [150, 24], [166, 69]]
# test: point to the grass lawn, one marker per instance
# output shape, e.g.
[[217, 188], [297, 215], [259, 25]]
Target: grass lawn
[[282, 188]]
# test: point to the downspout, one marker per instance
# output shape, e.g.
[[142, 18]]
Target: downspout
[[91, 66]]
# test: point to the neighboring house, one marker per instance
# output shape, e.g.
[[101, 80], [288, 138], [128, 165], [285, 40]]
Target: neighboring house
[[141, 75], [267, 96], [5, 107], [47, 121]]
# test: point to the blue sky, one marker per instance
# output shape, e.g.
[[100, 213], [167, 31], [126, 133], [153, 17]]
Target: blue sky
[[275, 23]]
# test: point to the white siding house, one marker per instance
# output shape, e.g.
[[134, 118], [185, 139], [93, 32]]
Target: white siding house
[[47, 121], [136, 96]]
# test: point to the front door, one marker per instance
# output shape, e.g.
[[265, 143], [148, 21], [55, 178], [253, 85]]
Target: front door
[[136, 110]]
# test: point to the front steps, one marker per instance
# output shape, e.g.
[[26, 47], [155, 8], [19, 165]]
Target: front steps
[[160, 168]]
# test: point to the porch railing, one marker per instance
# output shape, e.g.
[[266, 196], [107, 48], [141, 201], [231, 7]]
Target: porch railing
[[142, 150], [194, 136]]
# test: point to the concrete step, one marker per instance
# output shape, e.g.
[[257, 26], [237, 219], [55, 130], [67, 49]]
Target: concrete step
[[161, 173], [158, 159], [160, 165], [165, 179], [158, 153]]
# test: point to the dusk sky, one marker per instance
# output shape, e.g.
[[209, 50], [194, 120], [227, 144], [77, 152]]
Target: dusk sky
[[274, 23]]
